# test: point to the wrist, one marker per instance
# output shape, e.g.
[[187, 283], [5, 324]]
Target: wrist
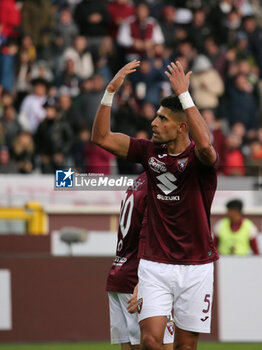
[[107, 99], [186, 100]]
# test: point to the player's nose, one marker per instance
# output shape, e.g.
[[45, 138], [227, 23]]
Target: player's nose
[[154, 122]]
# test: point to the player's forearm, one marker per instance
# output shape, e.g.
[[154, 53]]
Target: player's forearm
[[115, 143], [101, 127], [201, 136], [198, 128]]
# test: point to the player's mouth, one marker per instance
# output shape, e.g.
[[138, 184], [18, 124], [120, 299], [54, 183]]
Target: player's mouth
[[155, 133]]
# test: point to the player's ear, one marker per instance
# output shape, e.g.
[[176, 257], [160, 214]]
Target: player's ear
[[183, 126]]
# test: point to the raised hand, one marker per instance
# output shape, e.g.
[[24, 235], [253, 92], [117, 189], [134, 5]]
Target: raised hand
[[177, 77], [118, 79]]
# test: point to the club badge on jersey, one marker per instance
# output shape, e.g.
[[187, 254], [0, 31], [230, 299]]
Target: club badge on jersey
[[182, 163]]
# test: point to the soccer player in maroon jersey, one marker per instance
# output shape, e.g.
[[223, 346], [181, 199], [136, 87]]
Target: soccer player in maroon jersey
[[176, 268], [122, 278]]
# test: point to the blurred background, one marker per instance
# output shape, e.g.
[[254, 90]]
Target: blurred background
[[56, 58]]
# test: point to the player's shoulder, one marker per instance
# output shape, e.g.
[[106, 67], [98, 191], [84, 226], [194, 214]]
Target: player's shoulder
[[139, 184]]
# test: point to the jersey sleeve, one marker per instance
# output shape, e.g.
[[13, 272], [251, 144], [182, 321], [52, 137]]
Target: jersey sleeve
[[138, 150]]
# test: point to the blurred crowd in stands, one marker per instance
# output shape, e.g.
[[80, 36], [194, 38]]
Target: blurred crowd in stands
[[57, 56]]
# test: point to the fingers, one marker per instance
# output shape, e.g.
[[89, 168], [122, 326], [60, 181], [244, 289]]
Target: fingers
[[167, 74], [132, 305], [179, 66], [131, 67], [175, 67], [132, 308], [133, 64]]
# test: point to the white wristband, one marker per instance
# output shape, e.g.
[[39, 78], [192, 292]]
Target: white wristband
[[107, 99], [186, 100]]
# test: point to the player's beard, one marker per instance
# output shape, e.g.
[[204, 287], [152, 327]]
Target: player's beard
[[156, 142]]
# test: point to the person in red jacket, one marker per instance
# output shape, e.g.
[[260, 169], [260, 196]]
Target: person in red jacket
[[140, 34], [10, 18], [119, 10]]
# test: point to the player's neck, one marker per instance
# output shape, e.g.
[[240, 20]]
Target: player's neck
[[178, 146]]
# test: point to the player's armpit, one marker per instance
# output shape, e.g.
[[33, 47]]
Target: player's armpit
[[207, 155], [115, 143]]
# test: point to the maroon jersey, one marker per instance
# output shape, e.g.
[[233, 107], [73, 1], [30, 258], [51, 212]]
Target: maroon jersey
[[122, 276], [180, 193]]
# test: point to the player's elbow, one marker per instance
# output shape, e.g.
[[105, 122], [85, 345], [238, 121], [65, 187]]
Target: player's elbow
[[94, 139], [97, 139], [207, 154], [205, 148]]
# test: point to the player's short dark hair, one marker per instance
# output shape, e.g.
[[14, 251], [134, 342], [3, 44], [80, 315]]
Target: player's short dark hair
[[172, 102], [235, 204]]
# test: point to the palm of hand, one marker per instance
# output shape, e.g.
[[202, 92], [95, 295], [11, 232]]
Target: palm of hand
[[119, 78]]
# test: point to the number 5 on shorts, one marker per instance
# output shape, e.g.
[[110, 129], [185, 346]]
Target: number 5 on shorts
[[207, 300]]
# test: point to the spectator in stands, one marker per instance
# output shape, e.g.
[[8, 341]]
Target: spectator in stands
[[218, 18], [124, 118], [254, 33], [79, 147], [31, 111], [10, 18], [28, 45], [42, 70], [235, 234], [119, 10], [69, 79], [232, 25], [23, 77], [186, 50], [199, 29], [242, 105], [65, 30], [207, 85], [53, 139], [217, 55], [66, 110], [147, 81], [7, 65], [23, 152], [10, 125], [253, 159], [234, 162], [6, 100], [241, 47], [7, 166], [37, 22], [91, 95], [168, 26], [139, 34], [107, 63], [148, 113], [217, 136], [239, 130], [81, 56], [92, 19]]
